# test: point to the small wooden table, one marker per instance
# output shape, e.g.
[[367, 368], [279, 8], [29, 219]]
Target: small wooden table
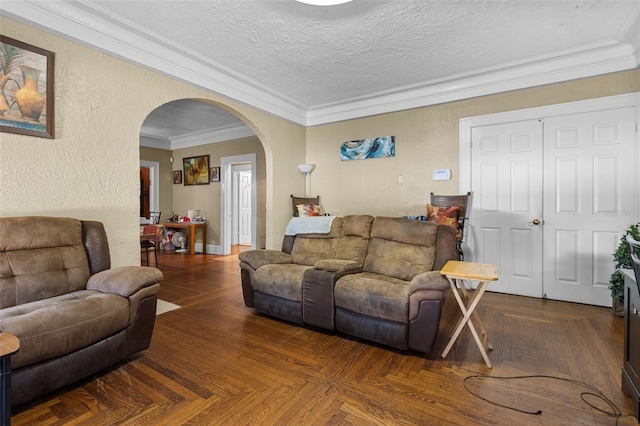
[[455, 271], [192, 226], [9, 345]]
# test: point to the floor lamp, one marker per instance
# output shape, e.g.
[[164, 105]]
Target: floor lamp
[[306, 169]]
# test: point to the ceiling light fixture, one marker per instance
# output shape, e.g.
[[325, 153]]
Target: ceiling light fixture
[[324, 2]]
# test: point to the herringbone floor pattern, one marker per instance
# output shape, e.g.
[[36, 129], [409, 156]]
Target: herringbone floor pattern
[[216, 362]]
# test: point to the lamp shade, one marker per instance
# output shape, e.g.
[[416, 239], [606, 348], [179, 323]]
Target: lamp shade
[[305, 168]]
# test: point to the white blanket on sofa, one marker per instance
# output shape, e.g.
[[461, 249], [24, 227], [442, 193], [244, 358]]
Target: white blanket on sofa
[[309, 225]]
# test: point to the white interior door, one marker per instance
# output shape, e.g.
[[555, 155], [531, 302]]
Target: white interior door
[[227, 196], [574, 174], [589, 200], [244, 203], [506, 182]]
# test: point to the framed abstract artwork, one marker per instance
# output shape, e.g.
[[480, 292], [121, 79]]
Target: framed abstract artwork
[[26, 89], [196, 170], [380, 147]]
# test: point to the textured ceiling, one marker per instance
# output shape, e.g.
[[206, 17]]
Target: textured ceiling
[[318, 55], [186, 117], [310, 58]]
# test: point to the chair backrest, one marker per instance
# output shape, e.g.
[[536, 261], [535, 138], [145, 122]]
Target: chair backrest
[[295, 201], [154, 217], [307, 249], [462, 201], [42, 257], [149, 230], [634, 251]]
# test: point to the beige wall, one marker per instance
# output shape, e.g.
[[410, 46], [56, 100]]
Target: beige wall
[[206, 198], [165, 184], [426, 139], [91, 169]]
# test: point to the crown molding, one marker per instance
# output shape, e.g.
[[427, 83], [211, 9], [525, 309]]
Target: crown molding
[[79, 22], [91, 27], [220, 134], [151, 141], [593, 61], [632, 35]]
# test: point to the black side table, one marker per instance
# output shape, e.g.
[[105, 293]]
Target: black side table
[[9, 345]]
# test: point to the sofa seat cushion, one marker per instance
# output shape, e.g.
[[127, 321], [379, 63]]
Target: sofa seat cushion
[[374, 295], [284, 281], [59, 325]]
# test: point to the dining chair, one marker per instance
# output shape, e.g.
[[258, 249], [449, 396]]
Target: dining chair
[[148, 242], [462, 202], [295, 201]]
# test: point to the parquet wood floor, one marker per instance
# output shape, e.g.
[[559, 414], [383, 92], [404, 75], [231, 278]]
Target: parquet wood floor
[[216, 362]]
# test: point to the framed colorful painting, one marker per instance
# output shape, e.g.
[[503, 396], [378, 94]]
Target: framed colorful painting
[[196, 170], [26, 83], [380, 147]]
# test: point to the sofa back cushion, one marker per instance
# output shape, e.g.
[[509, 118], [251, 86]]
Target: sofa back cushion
[[40, 257], [309, 248], [401, 248], [356, 231]]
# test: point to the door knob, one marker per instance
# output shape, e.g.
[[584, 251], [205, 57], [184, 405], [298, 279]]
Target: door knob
[[536, 222]]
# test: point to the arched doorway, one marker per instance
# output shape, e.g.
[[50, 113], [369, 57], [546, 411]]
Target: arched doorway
[[189, 127]]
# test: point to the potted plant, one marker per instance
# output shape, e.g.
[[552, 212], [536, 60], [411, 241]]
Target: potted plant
[[622, 259]]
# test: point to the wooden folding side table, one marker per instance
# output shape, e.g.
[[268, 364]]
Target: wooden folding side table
[[456, 271]]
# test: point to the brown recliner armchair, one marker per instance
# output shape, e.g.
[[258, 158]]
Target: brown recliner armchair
[[73, 314]]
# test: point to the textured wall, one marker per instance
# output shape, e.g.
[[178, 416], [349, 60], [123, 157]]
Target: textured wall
[[426, 139], [206, 198], [91, 169]]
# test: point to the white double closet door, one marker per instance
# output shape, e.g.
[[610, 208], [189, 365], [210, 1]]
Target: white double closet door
[[551, 198]]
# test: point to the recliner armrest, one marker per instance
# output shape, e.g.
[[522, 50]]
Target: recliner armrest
[[432, 280], [337, 265], [424, 287], [258, 258], [125, 280]]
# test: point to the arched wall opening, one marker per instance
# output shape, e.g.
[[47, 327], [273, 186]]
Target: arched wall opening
[[186, 128]]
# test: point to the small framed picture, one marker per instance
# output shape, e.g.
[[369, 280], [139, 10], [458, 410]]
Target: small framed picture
[[177, 176], [214, 174]]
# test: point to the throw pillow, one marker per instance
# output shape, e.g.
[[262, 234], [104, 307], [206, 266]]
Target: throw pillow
[[443, 215], [305, 210]]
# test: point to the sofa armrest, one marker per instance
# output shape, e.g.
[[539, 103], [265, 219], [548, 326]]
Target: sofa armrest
[[258, 258], [318, 302], [428, 281], [426, 292], [338, 265], [125, 280]]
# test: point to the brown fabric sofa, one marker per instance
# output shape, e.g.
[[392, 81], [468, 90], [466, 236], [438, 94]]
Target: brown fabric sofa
[[74, 315], [373, 278]]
